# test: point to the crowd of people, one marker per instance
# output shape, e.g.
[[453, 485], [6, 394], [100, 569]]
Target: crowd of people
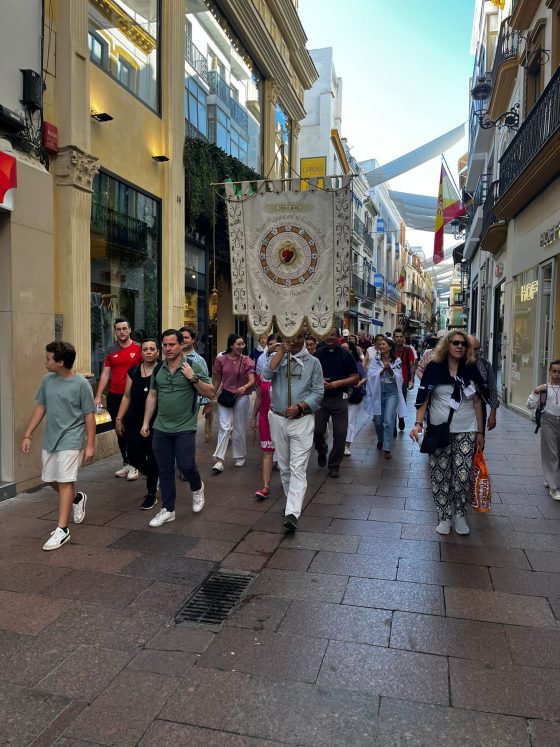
[[307, 393]]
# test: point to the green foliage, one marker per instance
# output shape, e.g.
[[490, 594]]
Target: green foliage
[[206, 164]]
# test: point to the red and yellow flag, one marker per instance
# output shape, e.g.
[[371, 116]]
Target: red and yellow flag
[[449, 206]]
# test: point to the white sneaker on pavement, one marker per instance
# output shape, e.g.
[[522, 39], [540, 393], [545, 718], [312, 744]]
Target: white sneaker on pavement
[[218, 467], [123, 471], [444, 527], [162, 517], [554, 494], [546, 484], [239, 462], [58, 538], [347, 451], [133, 474], [198, 499], [460, 525], [79, 509]]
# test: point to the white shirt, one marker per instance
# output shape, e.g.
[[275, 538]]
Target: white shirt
[[552, 406]]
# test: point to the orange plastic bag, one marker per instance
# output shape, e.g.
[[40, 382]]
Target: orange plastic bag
[[481, 488]]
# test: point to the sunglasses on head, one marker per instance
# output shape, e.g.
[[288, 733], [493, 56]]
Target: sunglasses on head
[[458, 343]]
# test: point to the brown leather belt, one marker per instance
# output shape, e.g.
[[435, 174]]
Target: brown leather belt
[[283, 415]]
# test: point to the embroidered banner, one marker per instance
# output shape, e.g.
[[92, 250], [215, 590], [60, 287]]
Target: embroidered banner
[[290, 254]]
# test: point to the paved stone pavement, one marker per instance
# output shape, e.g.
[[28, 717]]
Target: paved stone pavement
[[364, 628]]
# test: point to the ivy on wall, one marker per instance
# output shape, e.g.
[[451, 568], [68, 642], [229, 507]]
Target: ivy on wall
[[206, 164]]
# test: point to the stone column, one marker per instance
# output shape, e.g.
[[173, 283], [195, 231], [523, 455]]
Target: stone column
[[74, 172]]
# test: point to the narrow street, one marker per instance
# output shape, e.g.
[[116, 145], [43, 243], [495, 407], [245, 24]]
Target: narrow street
[[364, 628]]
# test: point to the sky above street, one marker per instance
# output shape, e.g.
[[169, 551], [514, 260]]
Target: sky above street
[[405, 68]]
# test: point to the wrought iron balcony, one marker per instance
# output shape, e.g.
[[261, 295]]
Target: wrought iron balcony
[[362, 288], [239, 114], [119, 228], [368, 238], [504, 71], [479, 195], [494, 231], [219, 87], [195, 58], [530, 162], [359, 226]]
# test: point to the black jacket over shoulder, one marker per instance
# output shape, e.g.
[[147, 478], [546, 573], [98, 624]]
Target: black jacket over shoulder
[[437, 374]]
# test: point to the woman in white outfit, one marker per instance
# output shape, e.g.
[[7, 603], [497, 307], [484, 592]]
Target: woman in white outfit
[[546, 398], [355, 397], [233, 373]]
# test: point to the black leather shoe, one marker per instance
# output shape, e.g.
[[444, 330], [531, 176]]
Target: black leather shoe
[[322, 459], [333, 472], [401, 424], [290, 522]]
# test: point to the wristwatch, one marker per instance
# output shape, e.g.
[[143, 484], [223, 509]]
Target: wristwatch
[[195, 379]]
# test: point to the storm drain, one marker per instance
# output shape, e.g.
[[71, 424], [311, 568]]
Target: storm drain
[[214, 600]]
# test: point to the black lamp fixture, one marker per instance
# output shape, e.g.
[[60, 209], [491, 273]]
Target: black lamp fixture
[[459, 226], [101, 116], [480, 93], [160, 159]]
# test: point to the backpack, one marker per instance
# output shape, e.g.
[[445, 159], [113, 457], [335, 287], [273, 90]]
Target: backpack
[[540, 408]]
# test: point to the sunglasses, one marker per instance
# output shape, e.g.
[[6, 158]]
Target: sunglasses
[[458, 343]]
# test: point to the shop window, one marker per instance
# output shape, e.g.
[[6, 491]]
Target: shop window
[[134, 28], [282, 156], [196, 109], [524, 349], [125, 263]]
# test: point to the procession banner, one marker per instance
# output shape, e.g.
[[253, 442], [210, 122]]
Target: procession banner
[[290, 254]]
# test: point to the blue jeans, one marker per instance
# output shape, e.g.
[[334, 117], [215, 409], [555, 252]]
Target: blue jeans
[[169, 448], [385, 423]]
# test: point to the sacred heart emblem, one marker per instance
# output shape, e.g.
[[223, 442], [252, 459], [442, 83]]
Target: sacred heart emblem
[[287, 252], [133, 355]]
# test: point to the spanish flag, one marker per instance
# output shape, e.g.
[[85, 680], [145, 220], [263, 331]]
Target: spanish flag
[[449, 206]]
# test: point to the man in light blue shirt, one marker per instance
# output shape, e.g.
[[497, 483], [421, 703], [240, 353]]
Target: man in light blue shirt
[[292, 419]]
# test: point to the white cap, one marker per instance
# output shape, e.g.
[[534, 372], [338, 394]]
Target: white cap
[[346, 333], [441, 333]]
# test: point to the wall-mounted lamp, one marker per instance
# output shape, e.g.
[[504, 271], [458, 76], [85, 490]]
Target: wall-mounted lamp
[[101, 116], [160, 159], [459, 226], [480, 93]]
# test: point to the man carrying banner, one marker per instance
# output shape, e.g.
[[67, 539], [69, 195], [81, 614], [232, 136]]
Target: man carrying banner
[[297, 391]]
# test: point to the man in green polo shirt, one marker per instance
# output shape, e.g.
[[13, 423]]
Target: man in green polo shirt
[[175, 389]]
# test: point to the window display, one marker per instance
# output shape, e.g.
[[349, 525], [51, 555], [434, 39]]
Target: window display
[[525, 300]]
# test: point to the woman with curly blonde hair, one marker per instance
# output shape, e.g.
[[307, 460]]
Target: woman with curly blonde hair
[[450, 391]]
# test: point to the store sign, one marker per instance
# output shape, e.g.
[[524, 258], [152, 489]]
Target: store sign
[[378, 280], [550, 236], [529, 290]]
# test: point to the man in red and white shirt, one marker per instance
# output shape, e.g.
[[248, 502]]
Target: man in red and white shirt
[[121, 356], [408, 360]]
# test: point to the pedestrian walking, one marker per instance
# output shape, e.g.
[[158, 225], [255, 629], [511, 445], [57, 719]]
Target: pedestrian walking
[[234, 378], [355, 397], [450, 392], [189, 342], [130, 419], [384, 394], [296, 394], [261, 408], [257, 351], [364, 342], [545, 399], [174, 390], [121, 356], [406, 354], [340, 372], [489, 377], [310, 344], [66, 400], [431, 343]]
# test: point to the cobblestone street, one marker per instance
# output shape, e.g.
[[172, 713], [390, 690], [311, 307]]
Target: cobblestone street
[[363, 628]]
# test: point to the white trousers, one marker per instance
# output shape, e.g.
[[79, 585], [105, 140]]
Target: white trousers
[[293, 441], [353, 411], [233, 421]]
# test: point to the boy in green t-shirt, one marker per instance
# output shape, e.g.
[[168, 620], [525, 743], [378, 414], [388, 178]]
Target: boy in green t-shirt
[[67, 401]]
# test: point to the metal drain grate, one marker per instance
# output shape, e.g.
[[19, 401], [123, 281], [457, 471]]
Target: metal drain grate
[[214, 600]]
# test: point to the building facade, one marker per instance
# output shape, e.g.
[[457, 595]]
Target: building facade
[[513, 241], [96, 231]]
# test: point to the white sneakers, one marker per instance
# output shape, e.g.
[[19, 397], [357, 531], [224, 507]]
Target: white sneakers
[[218, 467], [58, 538], [79, 509], [162, 517], [128, 471], [444, 527], [554, 494], [198, 499], [239, 462], [347, 450], [460, 525]]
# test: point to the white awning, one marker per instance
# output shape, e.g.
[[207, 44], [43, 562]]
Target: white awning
[[417, 211]]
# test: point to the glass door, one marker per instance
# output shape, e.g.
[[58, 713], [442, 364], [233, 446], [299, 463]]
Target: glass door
[[499, 312], [545, 321]]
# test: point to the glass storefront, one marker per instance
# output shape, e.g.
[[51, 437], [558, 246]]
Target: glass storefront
[[123, 40], [525, 305], [194, 312], [125, 263]]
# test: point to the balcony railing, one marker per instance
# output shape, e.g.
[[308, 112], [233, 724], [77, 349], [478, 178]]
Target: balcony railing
[[368, 238], [219, 87], [239, 114], [488, 215], [507, 47], [119, 228], [362, 288], [479, 195], [538, 128], [195, 58], [359, 226], [494, 230]]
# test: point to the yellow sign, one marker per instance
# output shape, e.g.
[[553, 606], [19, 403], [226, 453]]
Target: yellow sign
[[311, 168], [529, 290]]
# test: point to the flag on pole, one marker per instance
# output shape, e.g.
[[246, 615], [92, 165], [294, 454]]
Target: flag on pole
[[400, 281], [449, 206]]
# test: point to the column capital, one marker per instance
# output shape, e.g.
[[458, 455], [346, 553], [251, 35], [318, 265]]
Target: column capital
[[75, 168]]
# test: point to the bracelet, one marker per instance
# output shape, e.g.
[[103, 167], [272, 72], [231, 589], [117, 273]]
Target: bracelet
[[195, 379], [24, 437]]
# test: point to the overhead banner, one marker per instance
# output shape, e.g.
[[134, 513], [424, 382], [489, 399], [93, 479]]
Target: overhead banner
[[290, 254]]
